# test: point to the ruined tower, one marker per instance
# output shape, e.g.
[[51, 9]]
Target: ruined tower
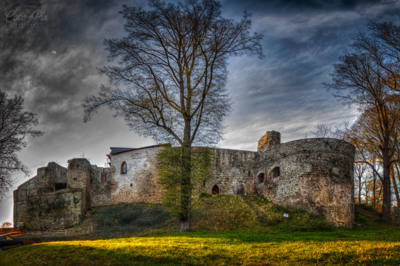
[[78, 177], [271, 138]]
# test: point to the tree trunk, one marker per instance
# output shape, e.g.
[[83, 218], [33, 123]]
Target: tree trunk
[[398, 178], [387, 195], [374, 189], [396, 191], [359, 190], [379, 198], [186, 187]]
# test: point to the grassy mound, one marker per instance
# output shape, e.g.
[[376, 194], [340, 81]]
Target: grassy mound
[[210, 214], [368, 218], [224, 213], [221, 213]]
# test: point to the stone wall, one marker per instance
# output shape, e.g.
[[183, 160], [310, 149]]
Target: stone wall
[[78, 177], [58, 197], [316, 174], [55, 210], [100, 191], [139, 184], [233, 172], [20, 204], [44, 182]]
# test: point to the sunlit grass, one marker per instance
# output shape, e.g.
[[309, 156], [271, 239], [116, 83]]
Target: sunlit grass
[[228, 232], [369, 247]]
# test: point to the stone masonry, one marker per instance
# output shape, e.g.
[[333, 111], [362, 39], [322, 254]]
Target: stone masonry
[[57, 198], [315, 174]]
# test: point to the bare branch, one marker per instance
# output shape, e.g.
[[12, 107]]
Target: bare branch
[[15, 125]]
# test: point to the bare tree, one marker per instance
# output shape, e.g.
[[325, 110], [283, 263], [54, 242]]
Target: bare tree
[[359, 173], [382, 44], [368, 76], [15, 125], [169, 83], [322, 131], [368, 138]]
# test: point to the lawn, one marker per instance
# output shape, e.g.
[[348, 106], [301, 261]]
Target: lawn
[[227, 230], [367, 247]]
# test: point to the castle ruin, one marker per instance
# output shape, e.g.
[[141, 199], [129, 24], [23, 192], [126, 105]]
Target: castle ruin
[[315, 174]]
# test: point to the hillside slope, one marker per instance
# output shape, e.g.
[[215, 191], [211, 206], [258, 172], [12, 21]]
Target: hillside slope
[[222, 213], [210, 214]]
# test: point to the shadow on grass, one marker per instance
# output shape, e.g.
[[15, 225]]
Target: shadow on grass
[[50, 254], [80, 254], [387, 235]]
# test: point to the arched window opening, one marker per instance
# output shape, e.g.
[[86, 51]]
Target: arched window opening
[[124, 168], [260, 178], [276, 172], [215, 189]]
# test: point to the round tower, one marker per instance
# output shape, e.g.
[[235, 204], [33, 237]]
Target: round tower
[[316, 174]]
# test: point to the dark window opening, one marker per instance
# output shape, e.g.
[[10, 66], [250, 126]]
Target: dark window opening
[[103, 176], [215, 189], [260, 178], [59, 186], [131, 184], [276, 172], [124, 168], [238, 189]]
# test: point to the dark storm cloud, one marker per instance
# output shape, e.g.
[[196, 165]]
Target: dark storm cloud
[[303, 39], [295, 6], [66, 25], [53, 65]]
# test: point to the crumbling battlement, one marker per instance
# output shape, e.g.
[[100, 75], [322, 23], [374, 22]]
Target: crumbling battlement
[[57, 197], [315, 174], [270, 139]]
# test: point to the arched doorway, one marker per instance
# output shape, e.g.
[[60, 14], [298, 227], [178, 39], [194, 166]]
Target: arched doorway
[[260, 178], [215, 190]]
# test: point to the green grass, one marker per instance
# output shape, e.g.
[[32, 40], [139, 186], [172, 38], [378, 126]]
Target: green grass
[[344, 247], [228, 230], [225, 213]]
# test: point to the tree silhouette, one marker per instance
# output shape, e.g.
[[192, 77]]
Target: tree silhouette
[[15, 125]]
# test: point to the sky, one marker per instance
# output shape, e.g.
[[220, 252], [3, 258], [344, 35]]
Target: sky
[[52, 62]]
